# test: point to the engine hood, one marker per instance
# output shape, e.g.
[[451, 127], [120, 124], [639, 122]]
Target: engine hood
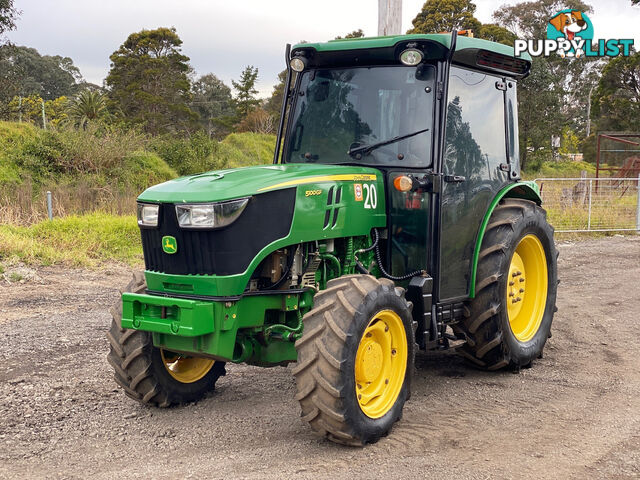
[[227, 184]]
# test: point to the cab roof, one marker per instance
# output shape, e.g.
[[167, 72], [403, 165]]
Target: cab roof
[[473, 52]]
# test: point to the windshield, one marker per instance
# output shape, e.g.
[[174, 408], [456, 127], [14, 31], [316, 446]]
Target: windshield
[[339, 110]]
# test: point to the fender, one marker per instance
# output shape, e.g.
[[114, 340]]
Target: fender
[[525, 190]]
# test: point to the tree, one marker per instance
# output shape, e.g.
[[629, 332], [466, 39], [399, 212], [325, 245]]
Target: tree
[[149, 81], [555, 95], [445, 16], [355, 34], [29, 109], [616, 101], [89, 106], [529, 19], [257, 121], [539, 112], [274, 104], [246, 91], [8, 16], [496, 33], [212, 100], [31, 73]]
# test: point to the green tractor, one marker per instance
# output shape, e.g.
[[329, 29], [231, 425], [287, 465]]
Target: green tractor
[[392, 219]]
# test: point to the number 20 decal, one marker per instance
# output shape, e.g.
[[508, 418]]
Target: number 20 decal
[[370, 196]]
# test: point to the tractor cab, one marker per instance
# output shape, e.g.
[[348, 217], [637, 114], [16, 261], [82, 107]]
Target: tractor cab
[[436, 112]]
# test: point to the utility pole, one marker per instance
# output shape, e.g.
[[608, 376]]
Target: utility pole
[[389, 17]]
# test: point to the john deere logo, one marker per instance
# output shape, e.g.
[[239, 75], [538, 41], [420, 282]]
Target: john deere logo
[[169, 245]]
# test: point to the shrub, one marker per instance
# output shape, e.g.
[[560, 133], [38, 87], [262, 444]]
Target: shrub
[[186, 156]]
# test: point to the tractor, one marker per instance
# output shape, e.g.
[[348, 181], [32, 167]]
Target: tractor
[[393, 219]]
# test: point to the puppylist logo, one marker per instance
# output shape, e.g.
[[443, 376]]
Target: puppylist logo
[[570, 34]]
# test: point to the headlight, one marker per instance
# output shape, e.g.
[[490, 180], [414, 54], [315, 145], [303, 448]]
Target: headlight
[[210, 215], [148, 215]]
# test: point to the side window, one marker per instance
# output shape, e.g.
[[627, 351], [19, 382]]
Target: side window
[[475, 143]]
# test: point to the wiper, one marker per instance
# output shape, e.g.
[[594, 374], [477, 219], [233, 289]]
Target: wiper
[[368, 148]]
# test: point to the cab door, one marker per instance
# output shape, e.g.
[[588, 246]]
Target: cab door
[[475, 168]]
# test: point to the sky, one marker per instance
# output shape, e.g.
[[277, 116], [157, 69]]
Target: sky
[[222, 36]]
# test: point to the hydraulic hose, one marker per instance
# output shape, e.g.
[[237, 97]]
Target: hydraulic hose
[[381, 267]]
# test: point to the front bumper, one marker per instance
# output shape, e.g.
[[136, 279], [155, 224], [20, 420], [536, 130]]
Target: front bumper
[[223, 329], [171, 316]]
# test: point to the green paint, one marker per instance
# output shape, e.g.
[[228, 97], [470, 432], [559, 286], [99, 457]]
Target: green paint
[[353, 218], [169, 244], [188, 318], [242, 182], [220, 328], [526, 190], [462, 43]]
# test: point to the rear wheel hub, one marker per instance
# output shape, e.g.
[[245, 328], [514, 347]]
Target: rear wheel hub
[[527, 286]]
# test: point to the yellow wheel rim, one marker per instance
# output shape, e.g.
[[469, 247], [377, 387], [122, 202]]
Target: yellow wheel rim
[[527, 288], [184, 368], [381, 364]]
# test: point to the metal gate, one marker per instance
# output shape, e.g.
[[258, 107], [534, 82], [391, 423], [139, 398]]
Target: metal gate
[[592, 204]]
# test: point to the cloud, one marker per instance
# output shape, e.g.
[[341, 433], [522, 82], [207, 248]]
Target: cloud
[[223, 37]]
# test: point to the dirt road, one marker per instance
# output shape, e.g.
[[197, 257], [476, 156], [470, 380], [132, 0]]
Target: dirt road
[[575, 414]]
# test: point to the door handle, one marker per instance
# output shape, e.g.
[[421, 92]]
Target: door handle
[[454, 179]]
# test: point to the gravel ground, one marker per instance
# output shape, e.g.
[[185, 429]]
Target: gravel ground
[[575, 414]]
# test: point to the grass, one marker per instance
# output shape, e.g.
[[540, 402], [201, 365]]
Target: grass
[[78, 241], [561, 169]]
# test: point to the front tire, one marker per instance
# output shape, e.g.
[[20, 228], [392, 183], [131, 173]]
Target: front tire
[[355, 359], [509, 320], [152, 375]]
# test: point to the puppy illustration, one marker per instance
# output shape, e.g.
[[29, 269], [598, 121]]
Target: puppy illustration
[[569, 24]]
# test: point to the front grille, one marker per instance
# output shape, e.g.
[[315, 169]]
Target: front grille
[[226, 251]]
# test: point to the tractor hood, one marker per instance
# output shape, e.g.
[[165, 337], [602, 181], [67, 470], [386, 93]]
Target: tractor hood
[[227, 184]]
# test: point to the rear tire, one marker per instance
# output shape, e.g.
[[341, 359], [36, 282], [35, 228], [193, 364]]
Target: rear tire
[[356, 356], [142, 369], [497, 334]]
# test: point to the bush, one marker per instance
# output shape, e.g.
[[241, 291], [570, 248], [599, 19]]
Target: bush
[[199, 153], [141, 170], [244, 149], [191, 155]]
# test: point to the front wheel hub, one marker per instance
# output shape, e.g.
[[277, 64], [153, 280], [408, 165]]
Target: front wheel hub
[[381, 364], [185, 368]]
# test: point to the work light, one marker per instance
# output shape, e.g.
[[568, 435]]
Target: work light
[[148, 215], [297, 64], [210, 215], [411, 56]]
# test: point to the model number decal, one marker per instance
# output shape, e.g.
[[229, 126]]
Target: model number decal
[[311, 193], [370, 196]]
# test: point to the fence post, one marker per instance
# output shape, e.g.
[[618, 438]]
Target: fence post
[[638, 206], [49, 206], [590, 192], [44, 117]]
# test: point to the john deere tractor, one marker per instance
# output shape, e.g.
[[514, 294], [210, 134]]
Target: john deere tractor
[[392, 219]]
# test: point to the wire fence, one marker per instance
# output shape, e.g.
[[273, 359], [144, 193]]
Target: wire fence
[[592, 204]]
